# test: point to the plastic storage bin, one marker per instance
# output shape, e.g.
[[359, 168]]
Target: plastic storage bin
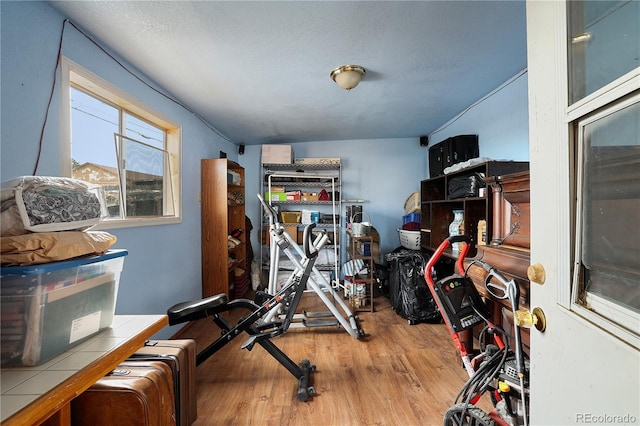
[[411, 217], [409, 239], [48, 308]]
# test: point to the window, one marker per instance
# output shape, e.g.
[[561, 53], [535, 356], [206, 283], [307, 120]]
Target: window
[[605, 121], [603, 44], [123, 145], [609, 202]]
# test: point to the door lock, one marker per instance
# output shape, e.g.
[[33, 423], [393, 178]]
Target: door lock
[[526, 319]]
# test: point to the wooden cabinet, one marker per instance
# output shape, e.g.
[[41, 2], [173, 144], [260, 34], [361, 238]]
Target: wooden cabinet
[[224, 263], [360, 287], [508, 250], [437, 202]]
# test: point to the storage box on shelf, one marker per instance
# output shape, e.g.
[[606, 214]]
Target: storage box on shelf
[[48, 308], [437, 205], [290, 217], [411, 222], [277, 154]]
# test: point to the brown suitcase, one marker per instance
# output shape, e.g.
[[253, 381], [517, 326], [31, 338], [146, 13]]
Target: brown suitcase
[[135, 393], [180, 355]]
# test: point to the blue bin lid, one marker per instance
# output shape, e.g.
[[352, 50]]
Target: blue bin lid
[[44, 268]]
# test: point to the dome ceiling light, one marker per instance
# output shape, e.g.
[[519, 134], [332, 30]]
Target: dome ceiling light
[[348, 76]]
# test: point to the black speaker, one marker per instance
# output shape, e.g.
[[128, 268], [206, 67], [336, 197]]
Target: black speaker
[[241, 149], [223, 154], [424, 140]]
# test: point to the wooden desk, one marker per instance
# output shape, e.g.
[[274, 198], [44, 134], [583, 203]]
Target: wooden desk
[[42, 394]]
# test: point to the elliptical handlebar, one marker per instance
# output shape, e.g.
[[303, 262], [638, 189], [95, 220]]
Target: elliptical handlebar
[[270, 211], [273, 219], [307, 242]]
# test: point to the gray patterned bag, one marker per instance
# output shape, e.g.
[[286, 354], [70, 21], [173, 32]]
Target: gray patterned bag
[[47, 204]]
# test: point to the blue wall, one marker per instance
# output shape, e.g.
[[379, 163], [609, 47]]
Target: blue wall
[[500, 119], [383, 172], [163, 266]]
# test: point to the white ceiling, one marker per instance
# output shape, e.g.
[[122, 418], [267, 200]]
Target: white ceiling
[[259, 71]]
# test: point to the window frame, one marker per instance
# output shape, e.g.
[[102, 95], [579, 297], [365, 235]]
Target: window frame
[[609, 315], [74, 75], [608, 98]]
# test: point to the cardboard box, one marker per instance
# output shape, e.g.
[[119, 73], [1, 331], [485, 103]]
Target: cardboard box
[[277, 154], [294, 195], [48, 308], [309, 196], [293, 231], [290, 216], [309, 216], [275, 196], [265, 237]]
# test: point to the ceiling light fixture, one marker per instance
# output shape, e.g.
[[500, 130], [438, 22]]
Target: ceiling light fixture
[[348, 76]]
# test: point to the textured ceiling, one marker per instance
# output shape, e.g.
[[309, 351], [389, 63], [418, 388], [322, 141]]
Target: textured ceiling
[[259, 71]]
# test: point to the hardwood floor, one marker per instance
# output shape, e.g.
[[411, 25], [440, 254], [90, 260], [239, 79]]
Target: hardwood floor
[[398, 374]]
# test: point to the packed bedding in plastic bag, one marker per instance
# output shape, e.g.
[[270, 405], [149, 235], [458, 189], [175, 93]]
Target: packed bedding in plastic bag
[[48, 204], [44, 247]]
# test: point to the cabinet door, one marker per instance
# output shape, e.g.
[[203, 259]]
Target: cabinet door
[[451, 151], [439, 157], [463, 148]]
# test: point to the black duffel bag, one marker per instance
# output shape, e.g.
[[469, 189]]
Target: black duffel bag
[[466, 186]]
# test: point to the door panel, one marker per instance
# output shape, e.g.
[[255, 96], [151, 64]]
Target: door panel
[[581, 373]]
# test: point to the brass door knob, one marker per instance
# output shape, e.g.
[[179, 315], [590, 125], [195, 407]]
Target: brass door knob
[[536, 273], [526, 319]]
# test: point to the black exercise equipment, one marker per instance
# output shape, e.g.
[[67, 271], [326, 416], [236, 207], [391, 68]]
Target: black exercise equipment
[[259, 332]]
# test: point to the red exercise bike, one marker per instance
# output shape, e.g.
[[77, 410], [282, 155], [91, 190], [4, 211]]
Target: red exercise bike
[[502, 367]]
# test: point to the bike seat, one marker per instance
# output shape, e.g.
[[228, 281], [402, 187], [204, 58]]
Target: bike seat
[[197, 309]]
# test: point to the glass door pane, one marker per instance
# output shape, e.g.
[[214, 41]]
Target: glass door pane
[[604, 43], [609, 202]]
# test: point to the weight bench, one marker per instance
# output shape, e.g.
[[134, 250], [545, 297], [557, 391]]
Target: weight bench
[[259, 332]]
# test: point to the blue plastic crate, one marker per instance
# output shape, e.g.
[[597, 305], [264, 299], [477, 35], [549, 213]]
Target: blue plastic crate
[[411, 217]]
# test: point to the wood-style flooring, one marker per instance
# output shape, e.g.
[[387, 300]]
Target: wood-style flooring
[[398, 374]]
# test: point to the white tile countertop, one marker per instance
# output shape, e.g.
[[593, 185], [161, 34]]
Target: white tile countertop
[[30, 395]]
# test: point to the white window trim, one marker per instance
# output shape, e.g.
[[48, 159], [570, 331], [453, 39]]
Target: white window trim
[[610, 316], [564, 131], [71, 72]]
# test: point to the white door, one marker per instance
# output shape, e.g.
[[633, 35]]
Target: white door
[[584, 85]]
